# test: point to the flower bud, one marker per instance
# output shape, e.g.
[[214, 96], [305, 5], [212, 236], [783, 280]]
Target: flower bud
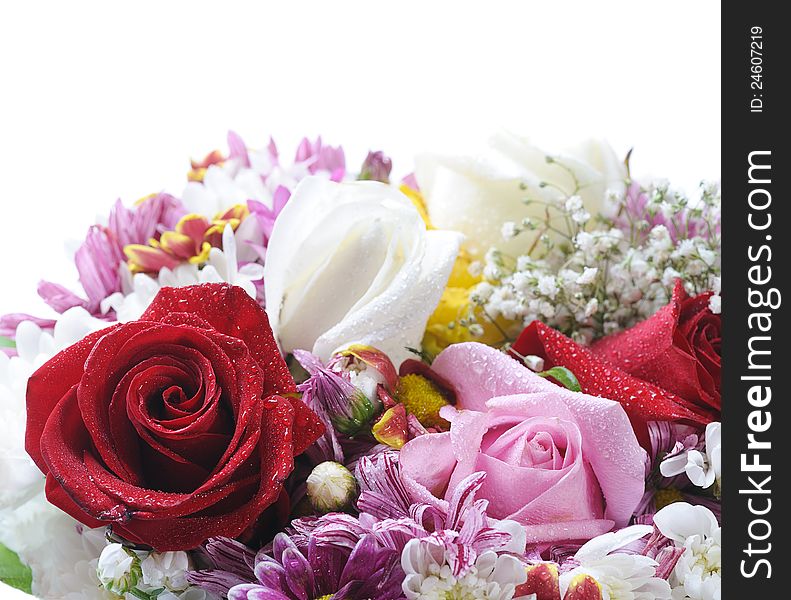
[[331, 487], [118, 569], [376, 167]]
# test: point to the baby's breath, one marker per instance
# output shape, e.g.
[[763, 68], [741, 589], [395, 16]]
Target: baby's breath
[[590, 277]]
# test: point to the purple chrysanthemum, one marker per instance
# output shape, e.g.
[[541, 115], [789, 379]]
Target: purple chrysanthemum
[[302, 568]]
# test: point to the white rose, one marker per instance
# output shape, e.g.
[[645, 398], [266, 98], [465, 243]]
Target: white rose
[[476, 198], [353, 263]]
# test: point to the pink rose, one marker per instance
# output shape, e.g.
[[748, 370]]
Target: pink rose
[[564, 464]]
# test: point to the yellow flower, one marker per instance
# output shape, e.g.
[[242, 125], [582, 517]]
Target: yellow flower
[[421, 397]]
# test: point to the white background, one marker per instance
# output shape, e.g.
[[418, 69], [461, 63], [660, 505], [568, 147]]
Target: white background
[[100, 100]]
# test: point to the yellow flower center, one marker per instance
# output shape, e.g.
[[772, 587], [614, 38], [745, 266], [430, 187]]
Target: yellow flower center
[[422, 398], [666, 496], [325, 597]]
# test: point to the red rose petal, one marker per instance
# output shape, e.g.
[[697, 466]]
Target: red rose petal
[[49, 384], [641, 400], [231, 311], [64, 443], [664, 350], [190, 531]]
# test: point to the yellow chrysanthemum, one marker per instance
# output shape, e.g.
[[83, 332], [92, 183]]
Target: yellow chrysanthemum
[[422, 398]]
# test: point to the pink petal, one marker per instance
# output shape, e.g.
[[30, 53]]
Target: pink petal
[[481, 373]]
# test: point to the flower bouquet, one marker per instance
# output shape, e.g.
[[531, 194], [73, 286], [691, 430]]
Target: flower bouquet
[[498, 377]]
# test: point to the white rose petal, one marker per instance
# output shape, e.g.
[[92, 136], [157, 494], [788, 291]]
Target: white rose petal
[[353, 263]]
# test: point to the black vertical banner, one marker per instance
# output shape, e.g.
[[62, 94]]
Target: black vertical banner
[[756, 270]]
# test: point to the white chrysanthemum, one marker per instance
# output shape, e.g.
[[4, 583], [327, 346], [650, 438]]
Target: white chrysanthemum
[[223, 186], [697, 575], [58, 550], [621, 576], [139, 290], [430, 577], [223, 266]]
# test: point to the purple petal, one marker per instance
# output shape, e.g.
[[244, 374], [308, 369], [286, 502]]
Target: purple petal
[[9, 323], [237, 148], [214, 581], [327, 562], [270, 573], [58, 297], [463, 497], [232, 556], [299, 576], [97, 261], [280, 198], [250, 591], [383, 493], [280, 544]]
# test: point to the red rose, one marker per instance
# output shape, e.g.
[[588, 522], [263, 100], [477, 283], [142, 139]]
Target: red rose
[[678, 349], [174, 428]]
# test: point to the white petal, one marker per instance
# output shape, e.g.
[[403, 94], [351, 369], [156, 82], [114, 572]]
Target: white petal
[[602, 545], [675, 465], [680, 520]]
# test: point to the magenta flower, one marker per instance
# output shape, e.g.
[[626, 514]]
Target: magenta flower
[[319, 157], [98, 261], [267, 216], [99, 257]]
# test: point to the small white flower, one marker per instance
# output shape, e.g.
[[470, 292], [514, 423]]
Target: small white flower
[[547, 285], [165, 570], [118, 569], [475, 330], [707, 255], [509, 230], [702, 469], [574, 204], [715, 304], [475, 268], [580, 216], [534, 363], [591, 307], [716, 285], [588, 275], [697, 574]]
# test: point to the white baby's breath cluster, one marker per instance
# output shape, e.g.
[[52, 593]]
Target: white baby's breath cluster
[[590, 276]]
